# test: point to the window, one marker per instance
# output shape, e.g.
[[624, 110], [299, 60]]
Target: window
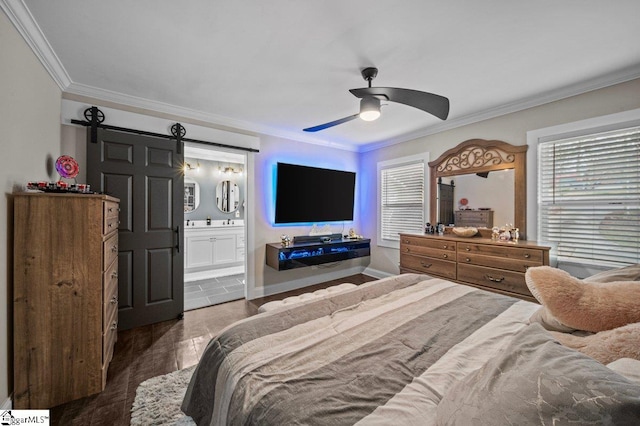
[[402, 198], [589, 196]]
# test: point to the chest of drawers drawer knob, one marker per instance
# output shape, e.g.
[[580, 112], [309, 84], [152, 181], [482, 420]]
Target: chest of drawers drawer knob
[[467, 259], [527, 255], [445, 246], [114, 326], [114, 274], [407, 250], [113, 300], [468, 249], [495, 280], [425, 265], [445, 256], [114, 248], [405, 241]]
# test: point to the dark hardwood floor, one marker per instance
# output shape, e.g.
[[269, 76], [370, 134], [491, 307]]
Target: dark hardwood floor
[[154, 350]]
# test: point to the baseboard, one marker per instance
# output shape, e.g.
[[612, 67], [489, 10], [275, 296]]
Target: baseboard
[[376, 273], [7, 404], [304, 282]]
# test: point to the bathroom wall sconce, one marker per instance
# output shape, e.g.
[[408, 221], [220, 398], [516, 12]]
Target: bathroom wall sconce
[[189, 167], [229, 170]]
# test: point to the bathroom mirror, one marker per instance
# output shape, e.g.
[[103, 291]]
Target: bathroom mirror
[[191, 195], [227, 196], [480, 156]]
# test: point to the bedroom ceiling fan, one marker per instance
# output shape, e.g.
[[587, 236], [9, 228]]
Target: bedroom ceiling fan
[[370, 98]]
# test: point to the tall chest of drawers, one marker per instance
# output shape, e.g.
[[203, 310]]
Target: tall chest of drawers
[[480, 262], [65, 299]]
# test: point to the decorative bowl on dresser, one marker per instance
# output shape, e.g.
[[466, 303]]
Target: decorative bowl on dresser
[[480, 262], [65, 296]]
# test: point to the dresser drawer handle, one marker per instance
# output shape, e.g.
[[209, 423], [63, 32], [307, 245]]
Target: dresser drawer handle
[[407, 250], [114, 274], [114, 248], [406, 241], [527, 255], [468, 249], [110, 209], [495, 280], [445, 246], [445, 256], [110, 225], [114, 300], [114, 326], [467, 260], [425, 265]]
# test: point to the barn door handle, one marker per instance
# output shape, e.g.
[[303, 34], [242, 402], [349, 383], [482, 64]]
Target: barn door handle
[[178, 237]]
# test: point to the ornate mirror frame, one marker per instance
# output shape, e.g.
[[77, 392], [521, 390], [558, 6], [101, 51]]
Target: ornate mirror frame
[[481, 155]]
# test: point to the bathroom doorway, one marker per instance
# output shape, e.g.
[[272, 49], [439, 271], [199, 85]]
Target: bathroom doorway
[[214, 226]]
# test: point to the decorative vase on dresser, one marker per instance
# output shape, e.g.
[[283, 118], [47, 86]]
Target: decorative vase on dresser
[[65, 296], [496, 266]]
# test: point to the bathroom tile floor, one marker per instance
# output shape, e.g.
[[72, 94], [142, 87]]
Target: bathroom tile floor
[[212, 291]]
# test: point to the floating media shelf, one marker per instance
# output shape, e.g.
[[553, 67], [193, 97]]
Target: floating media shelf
[[300, 255]]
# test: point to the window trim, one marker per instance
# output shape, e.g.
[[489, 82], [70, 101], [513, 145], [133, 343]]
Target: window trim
[[397, 162], [588, 126]]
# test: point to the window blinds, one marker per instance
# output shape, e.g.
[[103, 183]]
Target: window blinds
[[589, 197], [402, 197]]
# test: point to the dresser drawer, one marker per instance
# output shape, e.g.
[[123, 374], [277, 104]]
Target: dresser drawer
[[429, 265], [494, 278], [110, 299], [496, 262], [109, 251], [514, 253], [110, 217], [446, 254], [109, 337], [413, 243]]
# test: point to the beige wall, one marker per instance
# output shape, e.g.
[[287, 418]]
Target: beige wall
[[30, 140], [511, 128]]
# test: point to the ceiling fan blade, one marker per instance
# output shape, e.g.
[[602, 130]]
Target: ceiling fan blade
[[331, 124], [433, 104]]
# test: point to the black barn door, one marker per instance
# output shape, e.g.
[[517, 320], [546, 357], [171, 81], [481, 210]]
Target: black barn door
[[145, 173]]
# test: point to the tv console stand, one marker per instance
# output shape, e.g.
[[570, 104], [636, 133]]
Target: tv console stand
[[309, 253]]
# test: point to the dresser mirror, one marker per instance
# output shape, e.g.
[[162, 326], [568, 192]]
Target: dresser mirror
[[493, 171], [227, 196]]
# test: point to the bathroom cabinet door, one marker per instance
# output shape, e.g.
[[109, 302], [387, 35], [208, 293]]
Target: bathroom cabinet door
[[200, 251], [224, 249]]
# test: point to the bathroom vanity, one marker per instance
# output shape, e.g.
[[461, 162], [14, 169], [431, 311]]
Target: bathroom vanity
[[219, 244]]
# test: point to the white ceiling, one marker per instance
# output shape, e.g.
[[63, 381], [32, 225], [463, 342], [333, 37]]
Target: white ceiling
[[279, 66]]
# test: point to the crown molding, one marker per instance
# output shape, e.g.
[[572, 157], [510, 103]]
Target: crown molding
[[23, 20], [586, 86]]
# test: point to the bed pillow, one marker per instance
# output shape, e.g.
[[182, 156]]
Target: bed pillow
[[627, 273], [583, 305], [535, 380], [606, 346]]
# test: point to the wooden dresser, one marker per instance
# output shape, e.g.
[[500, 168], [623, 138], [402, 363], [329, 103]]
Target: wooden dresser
[[475, 218], [65, 296], [492, 265]]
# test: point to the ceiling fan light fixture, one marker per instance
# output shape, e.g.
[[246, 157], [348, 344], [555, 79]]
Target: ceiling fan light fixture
[[369, 108]]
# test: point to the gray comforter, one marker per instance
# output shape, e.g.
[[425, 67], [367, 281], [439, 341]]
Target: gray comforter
[[384, 353]]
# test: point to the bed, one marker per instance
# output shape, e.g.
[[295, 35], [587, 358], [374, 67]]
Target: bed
[[408, 350]]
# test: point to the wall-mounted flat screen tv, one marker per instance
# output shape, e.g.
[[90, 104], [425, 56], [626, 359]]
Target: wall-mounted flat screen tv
[[311, 194]]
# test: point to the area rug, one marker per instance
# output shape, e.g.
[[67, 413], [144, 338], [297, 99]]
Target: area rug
[[158, 400]]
